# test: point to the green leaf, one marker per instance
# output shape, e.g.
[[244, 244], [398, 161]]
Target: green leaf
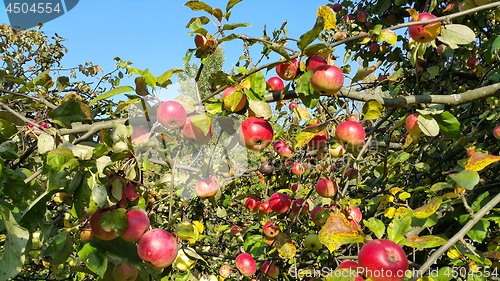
[[376, 226], [444, 274], [363, 73], [69, 112], [258, 84], [457, 34], [59, 249], [235, 25], [202, 122], [8, 150], [260, 108], [280, 50], [428, 125], [423, 242], [448, 125], [311, 35], [12, 257], [114, 220], [495, 46], [96, 260], [36, 210], [162, 79], [398, 227], [199, 6], [467, 179], [114, 92], [231, 4], [480, 230], [382, 6], [61, 83], [59, 164], [46, 143]]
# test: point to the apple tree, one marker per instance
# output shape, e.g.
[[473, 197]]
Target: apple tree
[[380, 164]]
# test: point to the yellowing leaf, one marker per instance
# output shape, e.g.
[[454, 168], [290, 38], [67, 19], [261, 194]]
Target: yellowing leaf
[[199, 226], [388, 36], [423, 242], [413, 14], [395, 190], [453, 254], [304, 137], [372, 109], [363, 73], [428, 209], [302, 113], [405, 195], [384, 201], [425, 278], [338, 231], [285, 246], [328, 16], [433, 30], [492, 255], [243, 85], [479, 161], [401, 212], [389, 212]]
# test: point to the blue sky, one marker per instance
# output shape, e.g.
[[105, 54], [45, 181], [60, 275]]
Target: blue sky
[[153, 34]]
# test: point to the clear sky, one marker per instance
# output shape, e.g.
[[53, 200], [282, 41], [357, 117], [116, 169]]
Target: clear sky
[[153, 34]]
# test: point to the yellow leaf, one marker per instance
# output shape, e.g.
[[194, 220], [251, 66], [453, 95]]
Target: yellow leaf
[[425, 278], [364, 40], [479, 161], [404, 195], [284, 245], [451, 195], [388, 36], [434, 30], [328, 16], [384, 201], [413, 14], [338, 231], [401, 212], [304, 137], [243, 85], [199, 226], [395, 190], [389, 212], [428, 209], [453, 254], [302, 113]]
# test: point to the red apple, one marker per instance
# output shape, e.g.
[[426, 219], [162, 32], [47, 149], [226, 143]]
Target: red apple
[[130, 192], [472, 62], [139, 135], [158, 248], [351, 135], [246, 264], [206, 188], [138, 223], [280, 203], [124, 272], [295, 187], [348, 265], [318, 140], [200, 41], [383, 260], [96, 226], [337, 150], [374, 47], [412, 126], [269, 241], [235, 230], [195, 134], [352, 173], [271, 229], [327, 79], [336, 7], [353, 118], [293, 105], [471, 151], [496, 132], [278, 144], [339, 35], [275, 84], [441, 48], [285, 151], [225, 271], [318, 219], [264, 207], [347, 18], [229, 100], [86, 233], [314, 62], [256, 133], [355, 214], [171, 114], [391, 19], [270, 270], [287, 70], [362, 16], [267, 168], [297, 204], [419, 33], [252, 203], [298, 169], [326, 188]]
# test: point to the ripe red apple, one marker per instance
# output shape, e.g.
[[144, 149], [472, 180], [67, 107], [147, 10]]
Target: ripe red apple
[[266, 168], [412, 126], [314, 62], [326, 188], [318, 219], [347, 18], [228, 99], [496, 132], [382, 254], [256, 133], [362, 16], [292, 215], [158, 247], [246, 264], [327, 79], [124, 272], [235, 230], [194, 134], [318, 140], [374, 47], [293, 105], [441, 48], [264, 207], [271, 229], [287, 70], [347, 265], [355, 214], [336, 7], [351, 135], [139, 135], [419, 33], [472, 62], [252, 203], [269, 241], [275, 84], [225, 271], [294, 187], [471, 151], [171, 114], [206, 188], [285, 151], [298, 169], [130, 192], [270, 270], [200, 41], [352, 173], [280, 203], [391, 19], [138, 223], [86, 233], [278, 144], [297, 204], [96, 226]]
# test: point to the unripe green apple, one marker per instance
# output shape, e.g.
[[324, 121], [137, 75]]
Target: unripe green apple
[[311, 242]]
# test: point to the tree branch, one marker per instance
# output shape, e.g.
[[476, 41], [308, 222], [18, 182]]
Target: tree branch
[[42, 100]]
